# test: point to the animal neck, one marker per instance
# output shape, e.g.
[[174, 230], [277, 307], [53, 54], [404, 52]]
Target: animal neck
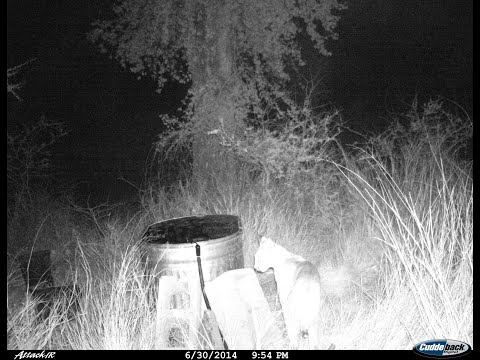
[[285, 270]]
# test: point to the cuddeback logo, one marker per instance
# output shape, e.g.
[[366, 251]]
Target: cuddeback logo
[[442, 348]]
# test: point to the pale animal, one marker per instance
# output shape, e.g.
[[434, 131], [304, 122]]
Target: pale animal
[[299, 290]]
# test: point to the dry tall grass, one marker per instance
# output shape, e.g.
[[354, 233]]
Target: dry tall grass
[[393, 247]]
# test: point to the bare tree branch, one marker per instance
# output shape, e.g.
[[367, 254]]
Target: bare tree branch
[[14, 86]]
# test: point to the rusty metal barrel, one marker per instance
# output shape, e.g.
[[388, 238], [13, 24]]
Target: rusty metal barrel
[[169, 251]]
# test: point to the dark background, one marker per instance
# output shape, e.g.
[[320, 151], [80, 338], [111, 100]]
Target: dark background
[[388, 51]]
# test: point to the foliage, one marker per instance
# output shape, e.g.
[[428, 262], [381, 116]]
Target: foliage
[[235, 54], [411, 253], [158, 38], [292, 150], [29, 164], [28, 150], [28, 153], [14, 86], [402, 151]]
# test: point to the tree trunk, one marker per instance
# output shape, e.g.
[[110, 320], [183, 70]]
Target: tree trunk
[[213, 86]]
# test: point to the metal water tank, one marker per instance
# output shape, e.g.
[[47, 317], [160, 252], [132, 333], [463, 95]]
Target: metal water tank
[[169, 249]]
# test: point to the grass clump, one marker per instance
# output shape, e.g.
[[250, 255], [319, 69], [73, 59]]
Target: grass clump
[[389, 225]]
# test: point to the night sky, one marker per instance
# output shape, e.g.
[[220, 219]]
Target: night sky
[[388, 50]]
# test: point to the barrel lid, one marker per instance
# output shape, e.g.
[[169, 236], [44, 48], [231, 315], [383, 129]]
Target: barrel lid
[[191, 229]]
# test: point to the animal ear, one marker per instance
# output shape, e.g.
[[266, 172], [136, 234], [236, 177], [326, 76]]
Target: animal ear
[[264, 239], [258, 239]]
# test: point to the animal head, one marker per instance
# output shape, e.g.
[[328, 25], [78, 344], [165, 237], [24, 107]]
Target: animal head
[[263, 256]]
